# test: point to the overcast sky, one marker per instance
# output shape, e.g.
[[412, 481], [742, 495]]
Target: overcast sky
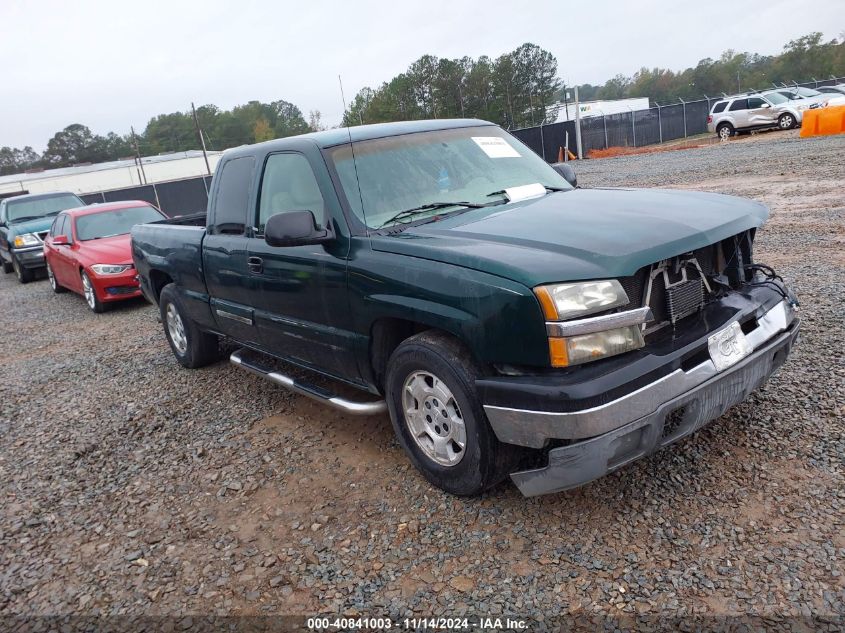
[[113, 64]]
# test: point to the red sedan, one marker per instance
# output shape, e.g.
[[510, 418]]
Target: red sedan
[[88, 250]]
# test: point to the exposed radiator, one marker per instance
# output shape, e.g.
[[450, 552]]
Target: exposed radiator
[[684, 299]]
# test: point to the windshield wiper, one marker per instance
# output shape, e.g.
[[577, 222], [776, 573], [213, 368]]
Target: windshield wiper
[[407, 213], [25, 218]]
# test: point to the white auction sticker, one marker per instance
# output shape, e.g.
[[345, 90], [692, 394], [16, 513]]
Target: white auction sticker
[[496, 147]]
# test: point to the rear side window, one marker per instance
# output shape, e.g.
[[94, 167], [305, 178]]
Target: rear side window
[[739, 104], [232, 197], [719, 107]]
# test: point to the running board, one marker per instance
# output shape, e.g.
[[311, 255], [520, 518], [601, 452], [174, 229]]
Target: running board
[[308, 390]]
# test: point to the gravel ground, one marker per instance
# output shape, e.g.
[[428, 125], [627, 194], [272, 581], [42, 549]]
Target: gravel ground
[[132, 486]]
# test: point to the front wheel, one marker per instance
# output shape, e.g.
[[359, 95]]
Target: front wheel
[[90, 294], [430, 390], [8, 267], [24, 275], [191, 346], [55, 285], [786, 121]]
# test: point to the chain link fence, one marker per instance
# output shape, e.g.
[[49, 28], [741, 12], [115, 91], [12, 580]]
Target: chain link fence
[[637, 128]]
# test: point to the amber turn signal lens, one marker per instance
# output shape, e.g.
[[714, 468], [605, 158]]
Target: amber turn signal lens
[[546, 302], [558, 352]]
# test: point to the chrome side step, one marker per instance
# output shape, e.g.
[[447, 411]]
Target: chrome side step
[[311, 391]]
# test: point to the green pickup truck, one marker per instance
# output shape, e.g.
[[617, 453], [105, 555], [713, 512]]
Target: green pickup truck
[[510, 322]]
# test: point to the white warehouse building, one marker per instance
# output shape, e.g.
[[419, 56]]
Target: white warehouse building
[[119, 174], [565, 111]]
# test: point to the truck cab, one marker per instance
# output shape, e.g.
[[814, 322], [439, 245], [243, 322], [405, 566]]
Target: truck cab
[[509, 322]]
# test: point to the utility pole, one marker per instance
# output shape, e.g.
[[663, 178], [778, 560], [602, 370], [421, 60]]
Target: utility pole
[[202, 140], [142, 175], [578, 124]]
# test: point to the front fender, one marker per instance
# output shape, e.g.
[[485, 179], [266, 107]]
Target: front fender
[[498, 319]]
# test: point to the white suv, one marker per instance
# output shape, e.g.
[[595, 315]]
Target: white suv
[[743, 113]]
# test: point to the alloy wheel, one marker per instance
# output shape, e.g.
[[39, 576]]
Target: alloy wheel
[[88, 291], [724, 133], [786, 122], [434, 418], [176, 329]]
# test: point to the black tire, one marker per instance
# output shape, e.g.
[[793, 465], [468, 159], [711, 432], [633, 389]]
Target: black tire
[[7, 267], [725, 131], [198, 348], [91, 300], [24, 275], [484, 461], [57, 288], [786, 121]]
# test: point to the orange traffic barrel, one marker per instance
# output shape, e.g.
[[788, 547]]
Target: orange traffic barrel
[[823, 121]]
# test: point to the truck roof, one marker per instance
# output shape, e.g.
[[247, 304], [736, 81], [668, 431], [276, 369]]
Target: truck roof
[[341, 135]]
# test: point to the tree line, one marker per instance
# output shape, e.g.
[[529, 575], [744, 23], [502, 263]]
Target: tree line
[[512, 90], [801, 60], [250, 123]]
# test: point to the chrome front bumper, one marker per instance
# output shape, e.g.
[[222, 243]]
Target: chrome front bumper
[[651, 417], [534, 428]]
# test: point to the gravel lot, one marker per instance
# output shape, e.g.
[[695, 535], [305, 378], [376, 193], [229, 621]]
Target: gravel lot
[[132, 486]]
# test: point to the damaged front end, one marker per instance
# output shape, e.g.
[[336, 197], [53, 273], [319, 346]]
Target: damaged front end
[[720, 326]]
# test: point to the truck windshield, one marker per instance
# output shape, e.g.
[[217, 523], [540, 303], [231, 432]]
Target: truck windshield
[[118, 222], [29, 209], [425, 169]]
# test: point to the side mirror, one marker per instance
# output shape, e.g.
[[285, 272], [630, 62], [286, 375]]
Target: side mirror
[[294, 228], [61, 240], [567, 172]]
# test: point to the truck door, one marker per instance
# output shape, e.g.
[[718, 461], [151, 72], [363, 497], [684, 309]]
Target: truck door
[[301, 309], [224, 251]]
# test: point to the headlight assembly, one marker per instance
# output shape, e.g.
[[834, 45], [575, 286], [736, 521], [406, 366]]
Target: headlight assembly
[[26, 239], [110, 269], [565, 301], [573, 341]]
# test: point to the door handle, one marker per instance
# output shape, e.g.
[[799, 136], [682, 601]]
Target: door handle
[[255, 264]]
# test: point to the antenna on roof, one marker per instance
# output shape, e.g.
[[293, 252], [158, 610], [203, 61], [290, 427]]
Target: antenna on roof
[[352, 148]]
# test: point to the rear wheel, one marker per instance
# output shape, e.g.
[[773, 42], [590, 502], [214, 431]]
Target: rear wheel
[[430, 390], [191, 346], [91, 295], [786, 121], [24, 275], [725, 131], [57, 288]]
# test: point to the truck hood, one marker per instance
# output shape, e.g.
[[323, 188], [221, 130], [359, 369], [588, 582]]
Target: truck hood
[[31, 226], [578, 234]]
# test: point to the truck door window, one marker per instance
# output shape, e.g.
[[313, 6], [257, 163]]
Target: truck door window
[[232, 199], [755, 102], [289, 184]]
